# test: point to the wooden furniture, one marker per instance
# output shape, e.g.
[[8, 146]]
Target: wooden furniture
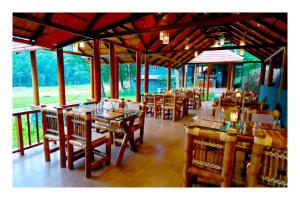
[[192, 101], [262, 115], [169, 105], [209, 155], [149, 103], [80, 135], [268, 165], [198, 98], [53, 129]]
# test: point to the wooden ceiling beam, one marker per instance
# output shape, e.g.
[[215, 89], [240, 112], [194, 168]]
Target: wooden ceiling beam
[[121, 45], [40, 29], [272, 28], [212, 22]]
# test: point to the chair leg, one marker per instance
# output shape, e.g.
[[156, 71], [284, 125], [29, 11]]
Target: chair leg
[[163, 113], [70, 155], [187, 179], [142, 135], [46, 149], [173, 115], [62, 151], [108, 151], [88, 162]]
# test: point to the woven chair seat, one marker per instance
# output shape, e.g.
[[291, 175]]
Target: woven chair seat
[[97, 139]]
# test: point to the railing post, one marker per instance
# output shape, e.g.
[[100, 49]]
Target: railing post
[[20, 134]]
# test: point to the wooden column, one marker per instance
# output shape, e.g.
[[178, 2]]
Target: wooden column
[[97, 71], [283, 78], [34, 77], [182, 75], [208, 77], [116, 77], [229, 76], [270, 72], [61, 78], [203, 82], [146, 77], [262, 74], [195, 75], [112, 55], [138, 76], [92, 72], [169, 77]]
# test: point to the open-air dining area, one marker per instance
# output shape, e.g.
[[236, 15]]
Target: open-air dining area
[[150, 100]]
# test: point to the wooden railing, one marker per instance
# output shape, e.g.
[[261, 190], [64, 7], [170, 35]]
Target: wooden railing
[[21, 132]]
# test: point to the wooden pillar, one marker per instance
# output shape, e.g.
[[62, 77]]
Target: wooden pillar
[[195, 75], [270, 72], [146, 77], [182, 75], [229, 76], [262, 74], [138, 76], [112, 56], [61, 78], [34, 77], [208, 77], [92, 72], [169, 77], [97, 71], [283, 78], [117, 78]]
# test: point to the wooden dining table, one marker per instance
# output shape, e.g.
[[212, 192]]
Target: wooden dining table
[[117, 120]]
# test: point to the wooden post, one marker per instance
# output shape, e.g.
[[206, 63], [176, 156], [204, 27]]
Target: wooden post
[[232, 77], [208, 77], [61, 78], [116, 77], [20, 134], [112, 55], [195, 75], [138, 76], [146, 77], [188, 159], [182, 75], [283, 78], [169, 77], [262, 74], [270, 72], [229, 76], [97, 71], [203, 82], [34, 76], [92, 72]]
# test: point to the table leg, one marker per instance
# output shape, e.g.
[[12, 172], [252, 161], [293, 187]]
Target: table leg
[[122, 150]]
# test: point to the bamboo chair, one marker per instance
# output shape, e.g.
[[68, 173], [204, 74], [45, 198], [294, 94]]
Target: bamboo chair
[[169, 104], [209, 156], [266, 116], [198, 99], [149, 104], [191, 96], [53, 129], [268, 165], [80, 135], [157, 105]]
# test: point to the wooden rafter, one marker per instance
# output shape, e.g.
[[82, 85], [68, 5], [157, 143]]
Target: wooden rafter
[[40, 29], [272, 28]]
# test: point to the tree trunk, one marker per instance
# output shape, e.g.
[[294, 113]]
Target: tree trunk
[[102, 89]]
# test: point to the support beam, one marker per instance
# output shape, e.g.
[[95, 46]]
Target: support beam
[[61, 78], [169, 77], [116, 70], [138, 76], [229, 76], [34, 77], [208, 77], [146, 76], [97, 71], [112, 54], [182, 75], [92, 72], [262, 74], [270, 72], [283, 78]]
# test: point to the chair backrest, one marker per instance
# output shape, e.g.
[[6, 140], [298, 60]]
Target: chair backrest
[[212, 152], [262, 115], [158, 100], [268, 161], [149, 99], [79, 127], [190, 94], [169, 100], [53, 122]]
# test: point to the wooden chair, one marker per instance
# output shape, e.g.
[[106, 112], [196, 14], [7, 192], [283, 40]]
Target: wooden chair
[[262, 115], [209, 156], [80, 135], [198, 99], [149, 104], [169, 104], [53, 129], [157, 105], [268, 165]]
